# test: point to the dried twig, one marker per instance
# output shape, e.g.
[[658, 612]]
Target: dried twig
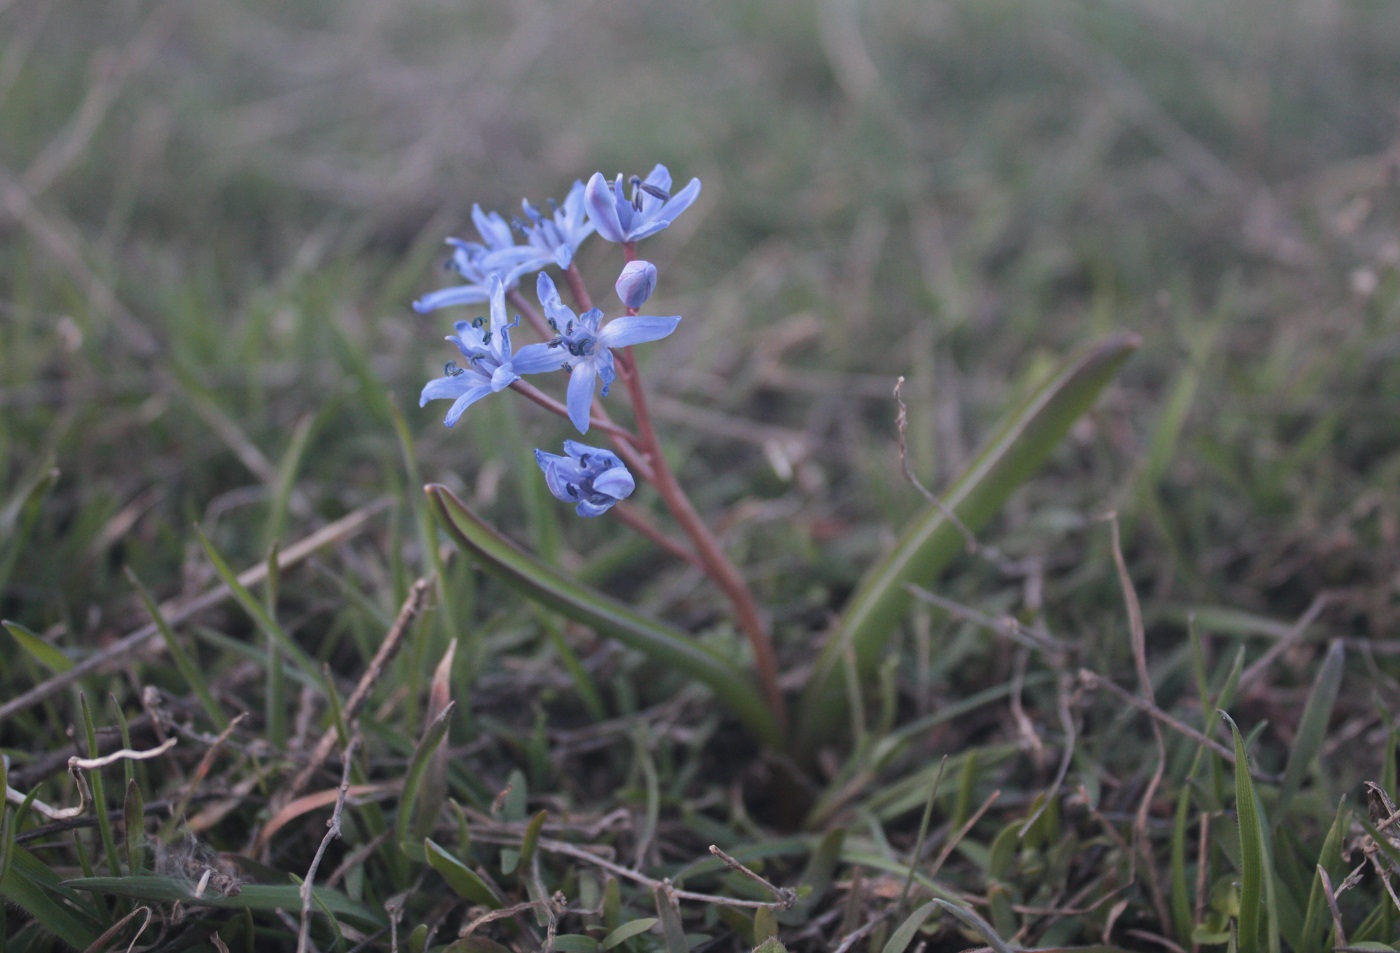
[[304, 933], [786, 895], [412, 607]]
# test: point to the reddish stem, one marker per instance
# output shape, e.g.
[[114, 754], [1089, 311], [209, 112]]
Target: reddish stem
[[711, 556]]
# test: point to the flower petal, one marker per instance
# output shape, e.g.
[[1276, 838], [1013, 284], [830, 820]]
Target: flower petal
[[448, 387], [539, 359], [494, 230], [680, 201], [638, 329], [594, 508], [580, 392], [466, 400], [602, 208], [616, 482], [451, 297]]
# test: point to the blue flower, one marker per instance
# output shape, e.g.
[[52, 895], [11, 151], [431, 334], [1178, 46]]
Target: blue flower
[[595, 479], [496, 254], [650, 209], [557, 238], [584, 348], [491, 366]]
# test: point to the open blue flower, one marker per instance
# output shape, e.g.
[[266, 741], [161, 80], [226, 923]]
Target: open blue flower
[[496, 254], [650, 208], [491, 366], [556, 237], [583, 346], [593, 478]]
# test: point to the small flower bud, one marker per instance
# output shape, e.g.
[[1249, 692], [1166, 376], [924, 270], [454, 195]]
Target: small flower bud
[[636, 283]]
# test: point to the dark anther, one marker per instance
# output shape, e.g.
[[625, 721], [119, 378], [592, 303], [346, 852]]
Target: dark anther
[[478, 321], [573, 489], [450, 369], [583, 460], [655, 191]]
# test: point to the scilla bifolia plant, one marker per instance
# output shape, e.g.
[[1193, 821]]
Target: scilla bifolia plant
[[588, 348]]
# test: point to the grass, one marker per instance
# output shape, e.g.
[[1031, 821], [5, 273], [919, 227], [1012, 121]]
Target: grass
[[212, 219]]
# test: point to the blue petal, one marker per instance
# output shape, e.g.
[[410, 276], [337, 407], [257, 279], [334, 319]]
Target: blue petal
[[448, 387], [598, 458], [494, 229], [647, 230], [660, 177], [539, 359], [602, 208], [465, 401], [638, 329], [504, 376], [616, 482], [681, 201], [450, 297], [591, 508], [580, 393]]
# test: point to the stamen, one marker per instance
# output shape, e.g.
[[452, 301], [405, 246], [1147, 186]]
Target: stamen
[[450, 369]]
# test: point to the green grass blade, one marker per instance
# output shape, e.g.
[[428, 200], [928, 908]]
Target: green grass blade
[[628, 930], [249, 897], [285, 484], [1252, 867], [29, 884], [982, 927], [44, 653], [1312, 726], [254, 608], [184, 663], [414, 820], [1021, 444], [1318, 918], [672, 931], [607, 616], [904, 935], [467, 883]]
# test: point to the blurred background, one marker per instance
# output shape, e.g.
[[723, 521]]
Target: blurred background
[[213, 218]]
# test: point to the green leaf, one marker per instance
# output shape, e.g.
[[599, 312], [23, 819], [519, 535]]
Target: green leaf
[[817, 877], [1021, 444], [530, 841], [30, 884], [672, 932], [466, 882], [605, 615], [410, 818], [1318, 918], [256, 609], [44, 653], [189, 671], [983, 928], [1312, 725], [134, 816], [249, 896], [1252, 869], [575, 943], [628, 930], [904, 935]]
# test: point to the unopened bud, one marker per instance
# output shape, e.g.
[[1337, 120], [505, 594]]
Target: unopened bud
[[636, 283]]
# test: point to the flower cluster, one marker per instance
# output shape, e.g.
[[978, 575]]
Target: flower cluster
[[581, 344]]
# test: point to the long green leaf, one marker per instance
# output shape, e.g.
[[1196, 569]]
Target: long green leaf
[[604, 615], [901, 938], [413, 821], [44, 653], [1021, 444], [1252, 871], [249, 896], [1312, 725], [31, 885], [466, 882]]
